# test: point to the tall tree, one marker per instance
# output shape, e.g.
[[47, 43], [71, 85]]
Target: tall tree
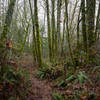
[[34, 35], [53, 28], [49, 30], [59, 4], [8, 19], [67, 31], [84, 24], [97, 22], [91, 4], [39, 52], [4, 34]]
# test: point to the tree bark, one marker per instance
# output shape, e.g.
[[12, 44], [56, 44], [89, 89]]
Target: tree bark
[[91, 20], [38, 40], [59, 4], [8, 19], [34, 35], [84, 25], [49, 31], [97, 22], [53, 29]]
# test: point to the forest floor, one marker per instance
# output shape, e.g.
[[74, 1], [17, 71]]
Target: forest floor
[[43, 89]]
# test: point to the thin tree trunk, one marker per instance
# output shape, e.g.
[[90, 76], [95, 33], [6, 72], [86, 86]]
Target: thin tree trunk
[[67, 31], [63, 38], [34, 35], [53, 29], [49, 31], [84, 25], [97, 22], [59, 4]]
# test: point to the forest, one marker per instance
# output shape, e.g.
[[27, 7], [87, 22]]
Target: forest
[[49, 50]]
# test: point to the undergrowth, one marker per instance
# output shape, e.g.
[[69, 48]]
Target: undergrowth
[[14, 83]]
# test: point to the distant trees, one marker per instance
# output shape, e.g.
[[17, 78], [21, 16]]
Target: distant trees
[[72, 27]]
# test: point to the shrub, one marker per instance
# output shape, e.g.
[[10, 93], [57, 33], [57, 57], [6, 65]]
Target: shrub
[[50, 72], [13, 83]]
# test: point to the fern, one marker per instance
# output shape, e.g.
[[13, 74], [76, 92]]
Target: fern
[[96, 68], [81, 78], [57, 96], [63, 82], [70, 78]]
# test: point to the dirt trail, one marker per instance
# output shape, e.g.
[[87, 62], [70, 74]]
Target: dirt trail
[[41, 89]]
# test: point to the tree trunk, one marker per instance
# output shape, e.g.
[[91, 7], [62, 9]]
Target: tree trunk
[[8, 19], [67, 31], [49, 31], [84, 25], [97, 22], [38, 40], [91, 20], [4, 34], [59, 4], [53, 29], [34, 35]]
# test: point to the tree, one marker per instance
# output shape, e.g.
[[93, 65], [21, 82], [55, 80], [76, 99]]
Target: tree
[[58, 37], [38, 40], [49, 31], [97, 22], [84, 25], [67, 31], [4, 37], [53, 28], [34, 35], [8, 19], [91, 20]]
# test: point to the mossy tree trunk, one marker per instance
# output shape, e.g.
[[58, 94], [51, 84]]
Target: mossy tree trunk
[[59, 4], [53, 29], [84, 32], [49, 31], [34, 35], [91, 20], [8, 19], [4, 38], [67, 31], [91, 4], [63, 37], [38, 39]]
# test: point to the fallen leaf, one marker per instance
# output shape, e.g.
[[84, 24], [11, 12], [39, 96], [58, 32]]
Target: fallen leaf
[[68, 92], [1, 87], [30, 92], [98, 98], [10, 45], [83, 97], [17, 97], [11, 84]]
